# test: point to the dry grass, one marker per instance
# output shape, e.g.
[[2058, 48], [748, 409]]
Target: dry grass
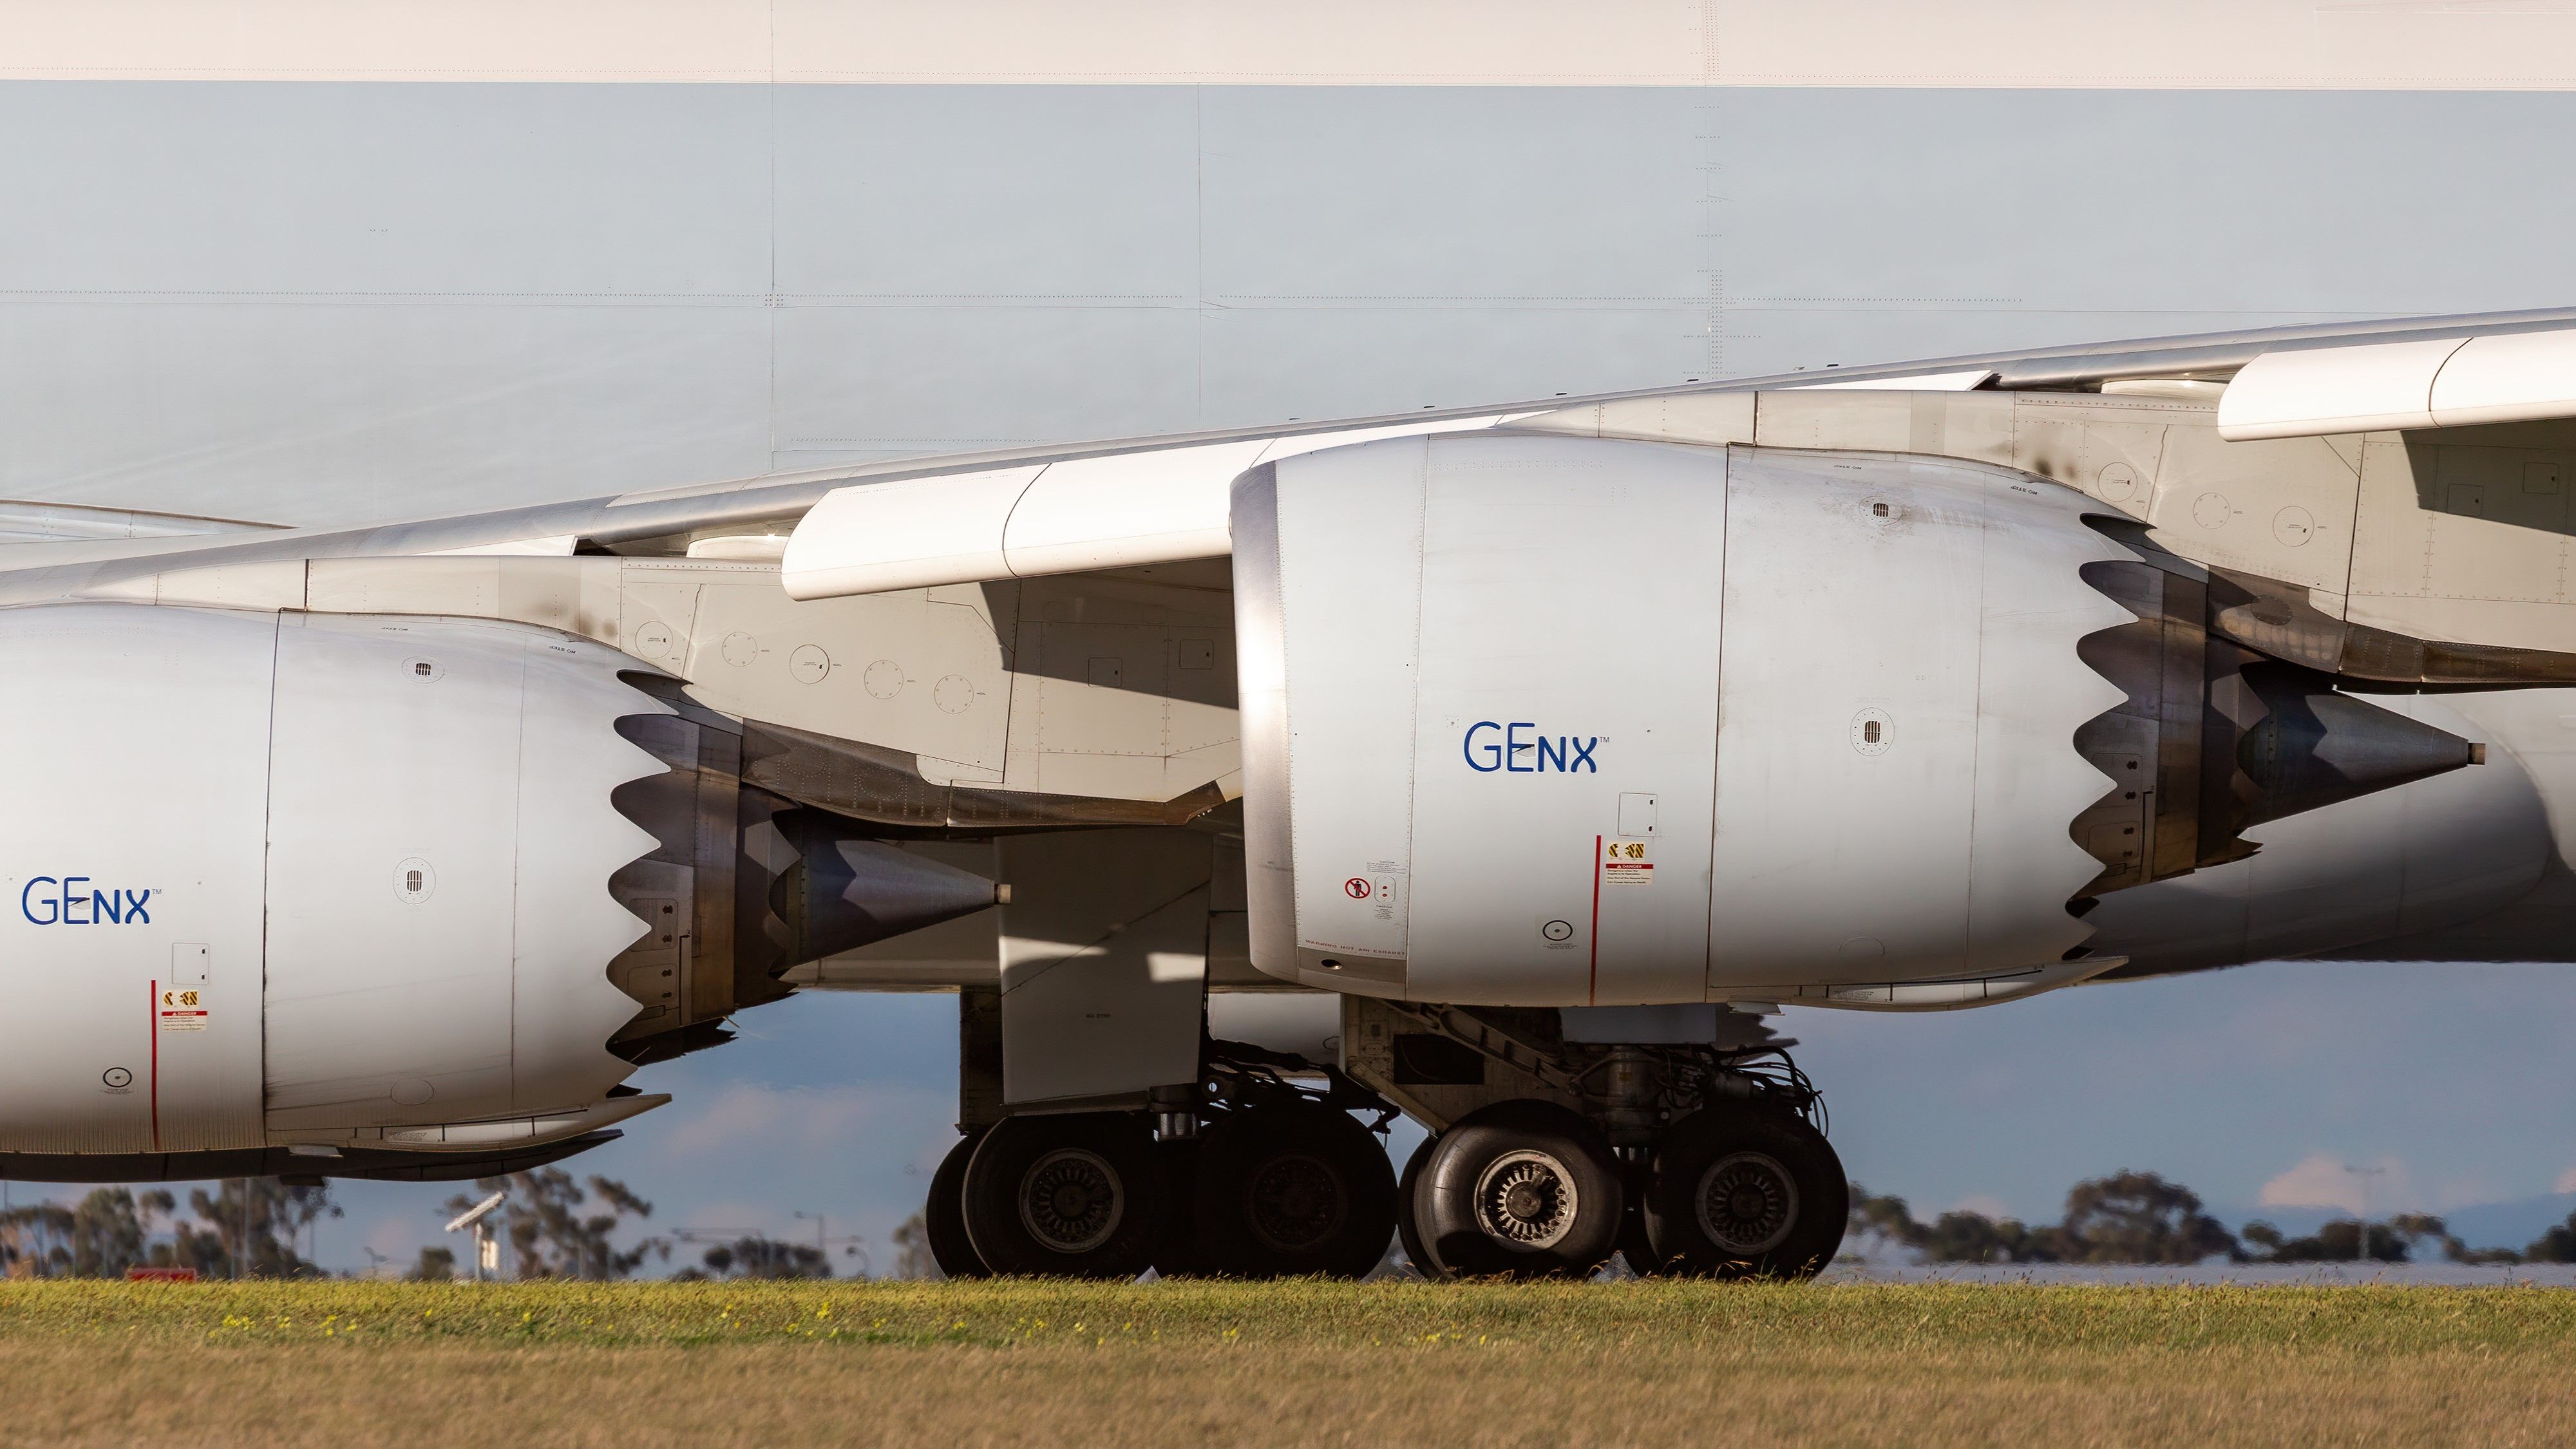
[[360, 1364]]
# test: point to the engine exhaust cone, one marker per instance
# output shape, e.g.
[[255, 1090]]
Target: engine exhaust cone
[[2315, 747], [849, 892]]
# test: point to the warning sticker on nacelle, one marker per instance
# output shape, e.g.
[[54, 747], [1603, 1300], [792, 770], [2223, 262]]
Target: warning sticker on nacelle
[[183, 1008], [1625, 862]]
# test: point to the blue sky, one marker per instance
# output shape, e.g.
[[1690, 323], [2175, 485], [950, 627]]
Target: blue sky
[[2454, 1080]]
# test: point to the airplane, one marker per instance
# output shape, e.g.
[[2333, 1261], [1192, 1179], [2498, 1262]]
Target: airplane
[[1508, 769]]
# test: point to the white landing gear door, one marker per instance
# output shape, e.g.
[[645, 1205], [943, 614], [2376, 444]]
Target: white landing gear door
[[1104, 963]]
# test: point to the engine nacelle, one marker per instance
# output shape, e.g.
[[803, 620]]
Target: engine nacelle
[[1538, 720], [377, 884]]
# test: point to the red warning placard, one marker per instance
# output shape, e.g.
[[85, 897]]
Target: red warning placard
[[1627, 862]]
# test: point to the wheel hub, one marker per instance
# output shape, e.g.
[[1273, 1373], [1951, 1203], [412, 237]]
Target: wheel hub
[[1297, 1202], [1071, 1200], [1526, 1201], [1747, 1203]]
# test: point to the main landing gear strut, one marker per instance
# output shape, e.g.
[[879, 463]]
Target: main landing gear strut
[[1683, 1160]]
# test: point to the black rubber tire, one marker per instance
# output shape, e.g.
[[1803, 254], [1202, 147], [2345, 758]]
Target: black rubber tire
[[1109, 1199], [1788, 1212], [1563, 1150], [1406, 1231], [1292, 1190], [943, 1217], [1177, 1252]]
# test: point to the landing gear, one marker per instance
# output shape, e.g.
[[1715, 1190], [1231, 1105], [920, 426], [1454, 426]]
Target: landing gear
[[1635, 1248], [1519, 1189], [1283, 1182], [1290, 1189], [1704, 1156], [943, 1217], [1744, 1193], [1695, 1158], [1081, 1195]]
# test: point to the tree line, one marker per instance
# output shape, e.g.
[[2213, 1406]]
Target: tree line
[[2141, 1217], [550, 1225], [246, 1228], [554, 1226]]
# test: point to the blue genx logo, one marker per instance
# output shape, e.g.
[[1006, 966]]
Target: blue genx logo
[[69, 901], [1490, 747]]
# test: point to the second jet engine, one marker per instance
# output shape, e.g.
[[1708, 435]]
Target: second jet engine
[[1543, 719]]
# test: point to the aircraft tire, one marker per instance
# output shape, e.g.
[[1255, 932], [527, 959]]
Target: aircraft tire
[[1744, 1193], [943, 1217], [1292, 1190], [1079, 1195], [1519, 1189], [1406, 1231], [1180, 1251]]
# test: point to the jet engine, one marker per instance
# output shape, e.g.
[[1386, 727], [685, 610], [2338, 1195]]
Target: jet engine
[[1543, 719], [380, 895]]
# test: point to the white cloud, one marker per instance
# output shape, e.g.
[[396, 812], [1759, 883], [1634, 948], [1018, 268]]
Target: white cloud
[[2566, 1181], [2326, 1181]]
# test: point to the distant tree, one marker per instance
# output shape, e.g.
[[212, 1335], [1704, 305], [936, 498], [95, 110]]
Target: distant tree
[[549, 1235], [112, 1231], [2139, 1217], [436, 1265], [1886, 1218], [2348, 1240], [35, 1241], [759, 1257], [250, 1228], [2558, 1245], [912, 1255], [1965, 1237], [2343, 1240]]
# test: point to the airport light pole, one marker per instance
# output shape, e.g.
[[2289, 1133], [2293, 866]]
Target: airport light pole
[[486, 1252]]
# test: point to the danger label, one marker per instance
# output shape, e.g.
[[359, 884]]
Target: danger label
[[183, 1009], [1626, 862]]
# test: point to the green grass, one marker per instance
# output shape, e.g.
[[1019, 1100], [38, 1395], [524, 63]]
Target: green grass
[[1895, 1318], [1412, 1363]]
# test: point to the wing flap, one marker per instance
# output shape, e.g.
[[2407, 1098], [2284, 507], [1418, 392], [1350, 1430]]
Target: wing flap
[[1119, 510], [2441, 382]]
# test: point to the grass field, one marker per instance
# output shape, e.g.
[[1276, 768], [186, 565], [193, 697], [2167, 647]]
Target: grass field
[[1385, 1363]]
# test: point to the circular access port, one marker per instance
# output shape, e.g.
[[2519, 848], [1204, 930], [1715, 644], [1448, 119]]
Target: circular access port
[[1873, 732], [953, 694], [414, 881], [809, 664]]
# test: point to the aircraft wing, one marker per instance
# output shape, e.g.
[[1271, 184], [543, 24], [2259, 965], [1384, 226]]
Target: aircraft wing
[[963, 518]]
